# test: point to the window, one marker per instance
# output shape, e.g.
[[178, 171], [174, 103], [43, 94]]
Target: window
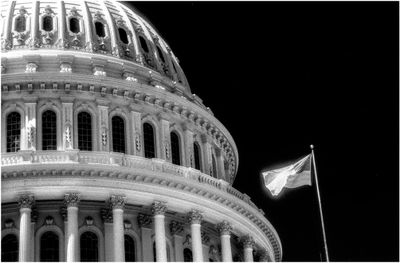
[[9, 248], [118, 134], [49, 247], [47, 23], [89, 247], [100, 29], [176, 159], [49, 130], [84, 131], [74, 25], [13, 132], [129, 249], [187, 255], [196, 154], [143, 43], [123, 36], [214, 167], [160, 54], [148, 137], [20, 24]]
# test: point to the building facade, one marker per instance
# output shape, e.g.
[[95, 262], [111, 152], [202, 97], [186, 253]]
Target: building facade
[[106, 153]]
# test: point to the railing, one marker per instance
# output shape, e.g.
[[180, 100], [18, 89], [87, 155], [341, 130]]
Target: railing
[[119, 159]]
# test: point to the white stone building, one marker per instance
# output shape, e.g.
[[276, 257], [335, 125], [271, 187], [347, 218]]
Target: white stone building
[[106, 153]]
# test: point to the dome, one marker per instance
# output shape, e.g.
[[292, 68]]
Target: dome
[[103, 140]]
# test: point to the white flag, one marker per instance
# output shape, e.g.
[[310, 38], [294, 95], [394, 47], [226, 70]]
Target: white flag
[[295, 175]]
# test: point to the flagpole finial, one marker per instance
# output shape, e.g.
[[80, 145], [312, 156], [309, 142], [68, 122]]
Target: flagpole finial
[[312, 147]]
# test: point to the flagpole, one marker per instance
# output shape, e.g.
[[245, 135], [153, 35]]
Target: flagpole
[[319, 202]]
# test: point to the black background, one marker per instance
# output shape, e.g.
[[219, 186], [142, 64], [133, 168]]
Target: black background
[[283, 75]]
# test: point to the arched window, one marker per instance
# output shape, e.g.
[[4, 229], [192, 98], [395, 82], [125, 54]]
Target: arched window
[[47, 23], [214, 167], [49, 130], [187, 255], [13, 132], [129, 249], [118, 134], [84, 131], [148, 138], [175, 153], [196, 154], [160, 54], [74, 25], [143, 44], [49, 247], [9, 248], [89, 247], [123, 36], [20, 24], [100, 29]]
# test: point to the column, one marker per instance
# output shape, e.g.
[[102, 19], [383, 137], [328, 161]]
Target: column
[[61, 24], [64, 214], [165, 141], [67, 124], [224, 228], [35, 24], [248, 244], [117, 203], [34, 217], [107, 217], [25, 203], [158, 209], [189, 162], [144, 222], [88, 26], [30, 124], [103, 140], [71, 200], [136, 122], [195, 218], [176, 228]]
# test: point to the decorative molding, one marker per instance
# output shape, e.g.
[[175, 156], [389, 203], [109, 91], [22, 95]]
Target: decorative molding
[[144, 220], [106, 215], [175, 227]]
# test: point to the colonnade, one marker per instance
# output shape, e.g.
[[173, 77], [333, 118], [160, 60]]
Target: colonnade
[[114, 233]]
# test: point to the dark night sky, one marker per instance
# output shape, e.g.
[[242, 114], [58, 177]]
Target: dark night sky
[[283, 75]]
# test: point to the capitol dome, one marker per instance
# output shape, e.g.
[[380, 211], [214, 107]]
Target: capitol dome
[[106, 153]]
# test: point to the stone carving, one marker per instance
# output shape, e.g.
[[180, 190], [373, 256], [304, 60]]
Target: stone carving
[[175, 227], [65, 67], [188, 240], [31, 135], [144, 220], [104, 137], [248, 241], [99, 71], [117, 201], [68, 136], [167, 149], [137, 143], [6, 44], [74, 11], [72, 199], [49, 220], [129, 76], [158, 208], [106, 215], [224, 228], [34, 43], [205, 239], [26, 201], [64, 213], [9, 223], [194, 217], [89, 220], [127, 224], [3, 69], [31, 67]]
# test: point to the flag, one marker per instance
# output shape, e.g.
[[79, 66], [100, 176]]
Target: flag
[[292, 176]]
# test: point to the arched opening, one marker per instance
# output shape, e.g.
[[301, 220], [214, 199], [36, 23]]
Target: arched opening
[[9, 248], [175, 153], [160, 54], [74, 25], [118, 134], [47, 23], [187, 255], [99, 29], [13, 132], [49, 130], [123, 36], [143, 44], [84, 131], [214, 167], [89, 247], [196, 154], [20, 24], [49, 247], [148, 138], [129, 249]]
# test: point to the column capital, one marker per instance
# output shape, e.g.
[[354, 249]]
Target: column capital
[[26, 201], [224, 228], [248, 242], [194, 217], [175, 227], [144, 220], [72, 199], [117, 202], [158, 208]]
